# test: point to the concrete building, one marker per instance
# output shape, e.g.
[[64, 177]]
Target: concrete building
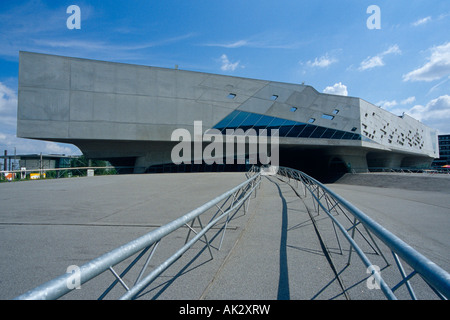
[[444, 151], [51, 161], [35, 161], [126, 114]]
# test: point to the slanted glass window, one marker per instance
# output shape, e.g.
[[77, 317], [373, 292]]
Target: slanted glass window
[[286, 127], [297, 129], [318, 132], [328, 133], [276, 123], [339, 134], [231, 95], [263, 122], [293, 109], [347, 136], [236, 122], [250, 121], [274, 97], [335, 111], [224, 123], [307, 131]]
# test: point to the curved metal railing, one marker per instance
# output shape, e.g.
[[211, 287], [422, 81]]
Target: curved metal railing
[[227, 203], [330, 202]]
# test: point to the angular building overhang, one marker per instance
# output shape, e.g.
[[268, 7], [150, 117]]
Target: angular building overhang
[[127, 114]]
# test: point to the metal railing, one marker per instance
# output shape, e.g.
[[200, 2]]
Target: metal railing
[[55, 173], [429, 171], [226, 204], [333, 205]]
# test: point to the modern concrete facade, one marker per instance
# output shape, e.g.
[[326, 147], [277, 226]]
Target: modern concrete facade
[[126, 114], [444, 151]]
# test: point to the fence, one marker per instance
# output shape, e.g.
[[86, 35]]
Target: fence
[[226, 204], [333, 205]]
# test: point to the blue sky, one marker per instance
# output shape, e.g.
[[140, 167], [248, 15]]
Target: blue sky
[[403, 67]]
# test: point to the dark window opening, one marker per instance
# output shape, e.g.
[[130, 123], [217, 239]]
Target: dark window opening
[[287, 128]]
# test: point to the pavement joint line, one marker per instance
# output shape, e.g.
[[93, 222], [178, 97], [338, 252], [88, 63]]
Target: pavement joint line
[[97, 225], [238, 239]]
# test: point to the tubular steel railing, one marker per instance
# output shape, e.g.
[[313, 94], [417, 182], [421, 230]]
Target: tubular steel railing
[[333, 205], [227, 203]]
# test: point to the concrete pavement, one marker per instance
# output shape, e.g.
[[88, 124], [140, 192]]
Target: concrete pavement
[[279, 250]]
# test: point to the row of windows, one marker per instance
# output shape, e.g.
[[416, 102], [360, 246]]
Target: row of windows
[[287, 128]]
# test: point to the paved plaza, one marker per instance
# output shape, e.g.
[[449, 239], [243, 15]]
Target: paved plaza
[[272, 252]]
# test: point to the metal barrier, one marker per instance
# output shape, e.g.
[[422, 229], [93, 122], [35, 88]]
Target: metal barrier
[[227, 203], [332, 204], [56, 173]]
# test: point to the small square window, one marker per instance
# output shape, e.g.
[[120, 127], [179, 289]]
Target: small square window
[[274, 97], [293, 109], [311, 120], [335, 111], [354, 129], [231, 96], [327, 116]]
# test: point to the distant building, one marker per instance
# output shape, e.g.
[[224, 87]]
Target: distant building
[[444, 151], [35, 162]]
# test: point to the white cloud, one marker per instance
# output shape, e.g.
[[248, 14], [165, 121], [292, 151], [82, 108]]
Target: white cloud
[[387, 104], [28, 146], [408, 100], [436, 109], [236, 44], [437, 67], [390, 104], [371, 62], [338, 89], [421, 21], [227, 65], [8, 124], [8, 107], [435, 114], [322, 62], [8, 99], [264, 40], [377, 61]]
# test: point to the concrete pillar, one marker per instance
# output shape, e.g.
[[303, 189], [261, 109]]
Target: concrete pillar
[[354, 159], [155, 153], [384, 160]]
